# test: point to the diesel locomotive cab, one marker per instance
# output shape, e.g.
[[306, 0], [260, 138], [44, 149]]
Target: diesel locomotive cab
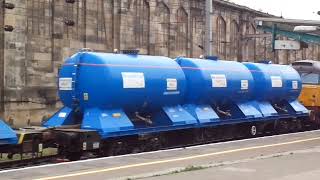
[[309, 71]]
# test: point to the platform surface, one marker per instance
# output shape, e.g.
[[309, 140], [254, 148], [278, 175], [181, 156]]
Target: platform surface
[[283, 157]]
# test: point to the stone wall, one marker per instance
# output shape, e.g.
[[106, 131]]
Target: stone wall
[[48, 31], [1, 57]]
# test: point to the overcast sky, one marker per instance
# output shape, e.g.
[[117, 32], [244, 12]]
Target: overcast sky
[[293, 9]]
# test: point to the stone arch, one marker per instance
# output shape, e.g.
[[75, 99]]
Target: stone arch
[[141, 29], [251, 44], [181, 40], [162, 30], [234, 40], [221, 36], [38, 23]]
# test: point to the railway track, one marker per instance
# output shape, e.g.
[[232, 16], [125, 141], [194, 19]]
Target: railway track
[[52, 159], [12, 164]]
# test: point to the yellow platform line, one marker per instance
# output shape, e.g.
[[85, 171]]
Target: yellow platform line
[[177, 159]]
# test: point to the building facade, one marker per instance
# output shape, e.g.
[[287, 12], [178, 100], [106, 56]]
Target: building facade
[[48, 31]]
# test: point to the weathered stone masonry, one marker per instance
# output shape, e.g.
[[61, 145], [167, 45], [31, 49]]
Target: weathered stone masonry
[[47, 31]]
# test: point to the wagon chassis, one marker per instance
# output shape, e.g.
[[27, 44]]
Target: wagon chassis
[[76, 144]]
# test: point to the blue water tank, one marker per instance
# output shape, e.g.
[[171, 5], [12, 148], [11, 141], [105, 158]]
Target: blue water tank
[[275, 82], [7, 135], [132, 82], [212, 81]]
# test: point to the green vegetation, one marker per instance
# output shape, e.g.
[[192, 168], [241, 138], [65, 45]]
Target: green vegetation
[[186, 169], [193, 168]]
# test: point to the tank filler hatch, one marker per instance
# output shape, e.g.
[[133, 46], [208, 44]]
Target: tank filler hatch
[[213, 58], [130, 51]]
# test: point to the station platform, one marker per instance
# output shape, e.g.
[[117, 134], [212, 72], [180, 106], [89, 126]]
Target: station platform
[[282, 157]]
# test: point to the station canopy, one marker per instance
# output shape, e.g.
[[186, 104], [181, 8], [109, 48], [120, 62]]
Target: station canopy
[[307, 31]]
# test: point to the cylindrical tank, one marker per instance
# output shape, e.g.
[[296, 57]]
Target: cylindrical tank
[[212, 81], [274, 82], [104, 80]]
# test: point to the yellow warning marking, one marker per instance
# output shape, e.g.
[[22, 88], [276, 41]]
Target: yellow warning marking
[[177, 159], [116, 115], [21, 138]]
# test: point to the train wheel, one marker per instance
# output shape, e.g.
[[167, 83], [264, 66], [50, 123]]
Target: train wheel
[[74, 156], [10, 156], [253, 130]]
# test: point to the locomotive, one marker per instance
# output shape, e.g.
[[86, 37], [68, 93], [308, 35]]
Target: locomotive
[[309, 71], [117, 103]]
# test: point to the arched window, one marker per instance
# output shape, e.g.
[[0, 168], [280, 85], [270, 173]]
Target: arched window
[[162, 22], [304, 53], [251, 46], [38, 22], [182, 32], [234, 40], [221, 37], [141, 24]]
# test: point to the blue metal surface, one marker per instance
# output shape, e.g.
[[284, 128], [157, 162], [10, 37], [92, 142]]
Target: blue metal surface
[[278, 85], [106, 121], [178, 115], [62, 117], [7, 135], [298, 107], [201, 88], [249, 110], [203, 113], [267, 84], [119, 95], [266, 109], [205, 85], [100, 79]]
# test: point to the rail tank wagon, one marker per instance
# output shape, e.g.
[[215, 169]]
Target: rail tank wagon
[[225, 86], [121, 103], [119, 92], [277, 88], [128, 94], [131, 82]]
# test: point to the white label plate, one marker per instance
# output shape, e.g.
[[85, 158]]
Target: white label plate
[[244, 84], [172, 84], [276, 81], [62, 115], [65, 84], [85, 96], [133, 80], [40, 147], [294, 84], [96, 145], [219, 80]]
